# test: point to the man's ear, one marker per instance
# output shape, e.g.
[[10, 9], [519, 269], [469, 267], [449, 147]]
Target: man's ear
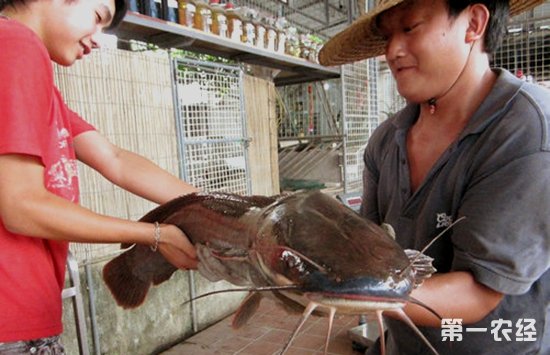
[[478, 18]]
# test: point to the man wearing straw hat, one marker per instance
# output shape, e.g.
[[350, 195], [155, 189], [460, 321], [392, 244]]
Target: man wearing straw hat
[[472, 141], [40, 139]]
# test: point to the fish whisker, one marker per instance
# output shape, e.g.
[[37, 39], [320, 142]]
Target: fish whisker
[[425, 306], [380, 321], [401, 313], [307, 312], [332, 312], [245, 289], [429, 245]]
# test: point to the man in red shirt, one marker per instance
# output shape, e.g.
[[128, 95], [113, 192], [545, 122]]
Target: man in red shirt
[[40, 140]]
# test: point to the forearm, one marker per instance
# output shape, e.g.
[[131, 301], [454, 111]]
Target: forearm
[[144, 178], [48, 216], [128, 170], [452, 295], [28, 208]]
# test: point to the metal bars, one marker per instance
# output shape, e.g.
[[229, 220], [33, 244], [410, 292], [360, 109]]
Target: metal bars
[[310, 110], [525, 50], [212, 131], [361, 117]]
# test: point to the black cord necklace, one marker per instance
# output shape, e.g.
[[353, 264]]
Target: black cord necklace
[[432, 103]]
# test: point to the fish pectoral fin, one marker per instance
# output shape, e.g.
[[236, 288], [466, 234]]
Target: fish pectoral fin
[[215, 269], [422, 265], [246, 310]]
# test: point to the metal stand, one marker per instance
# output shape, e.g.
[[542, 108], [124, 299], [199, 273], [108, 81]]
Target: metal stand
[[364, 335], [78, 304]]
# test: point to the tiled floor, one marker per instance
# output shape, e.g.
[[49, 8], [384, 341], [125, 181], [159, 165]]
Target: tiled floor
[[267, 333]]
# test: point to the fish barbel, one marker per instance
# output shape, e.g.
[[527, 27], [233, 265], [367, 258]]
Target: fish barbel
[[307, 250]]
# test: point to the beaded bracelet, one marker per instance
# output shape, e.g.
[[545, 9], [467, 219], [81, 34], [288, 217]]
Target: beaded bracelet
[[157, 237]]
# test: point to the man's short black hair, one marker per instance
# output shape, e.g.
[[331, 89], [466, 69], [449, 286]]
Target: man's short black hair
[[120, 9], [496, 28], [121, 6]]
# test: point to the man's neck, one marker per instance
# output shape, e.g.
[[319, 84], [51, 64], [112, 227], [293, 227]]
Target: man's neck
[[460, 103]]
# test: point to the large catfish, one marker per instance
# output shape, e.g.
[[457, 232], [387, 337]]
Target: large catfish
[[310, 251]]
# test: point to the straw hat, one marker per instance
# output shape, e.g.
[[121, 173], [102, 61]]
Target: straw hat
[[361, 39]]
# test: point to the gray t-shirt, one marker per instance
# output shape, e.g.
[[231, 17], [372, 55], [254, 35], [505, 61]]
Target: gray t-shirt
[[497, 175]]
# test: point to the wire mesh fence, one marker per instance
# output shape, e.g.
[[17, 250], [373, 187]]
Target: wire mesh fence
[[525, 50], [361, 117], [213, 133], [313, 109]]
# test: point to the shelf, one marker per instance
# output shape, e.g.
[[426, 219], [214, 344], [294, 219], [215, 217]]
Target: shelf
[[171, 35]]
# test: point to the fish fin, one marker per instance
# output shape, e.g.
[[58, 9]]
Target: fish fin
[[164, 274], [292, 306], [422, 266], [128, 290], [232, 204], [215, 268], [247, 309], [130, 275], [288, 304]]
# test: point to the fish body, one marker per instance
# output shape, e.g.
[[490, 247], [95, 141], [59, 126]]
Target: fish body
[[326, 254]]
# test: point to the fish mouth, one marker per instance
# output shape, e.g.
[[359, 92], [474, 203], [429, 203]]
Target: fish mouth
[[355, 304], [362, 289]]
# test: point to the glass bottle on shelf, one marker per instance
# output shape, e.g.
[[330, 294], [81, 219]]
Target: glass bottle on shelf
[[186, 12], [305, 46], [270, 34], [219, 19], [171, 10], [260, 33], [292, 42], [152, 8], [203, 17], [234, 22], [133, 5], [249, 28], [280, 25]]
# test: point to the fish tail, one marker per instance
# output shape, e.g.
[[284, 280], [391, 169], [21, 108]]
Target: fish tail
[[127, 288]]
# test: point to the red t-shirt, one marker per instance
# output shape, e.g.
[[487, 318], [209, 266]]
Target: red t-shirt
[[35, 121]]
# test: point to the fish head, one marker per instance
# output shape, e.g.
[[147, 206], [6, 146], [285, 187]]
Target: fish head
[[334, 255]]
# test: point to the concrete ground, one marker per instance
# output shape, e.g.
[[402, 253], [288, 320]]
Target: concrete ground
[[267, 333]]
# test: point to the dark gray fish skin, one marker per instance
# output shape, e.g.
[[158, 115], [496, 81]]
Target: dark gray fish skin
[[357, 257], [307, 239]]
